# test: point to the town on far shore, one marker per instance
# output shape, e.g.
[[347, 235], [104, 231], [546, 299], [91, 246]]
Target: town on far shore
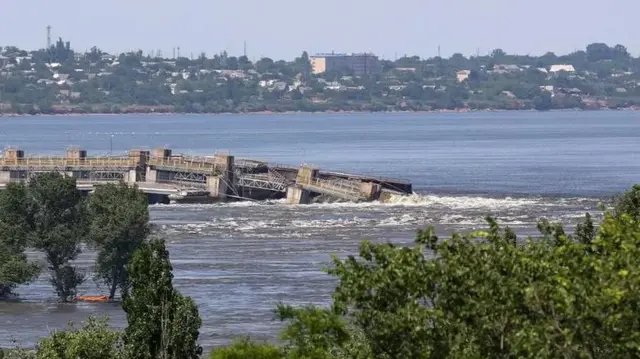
[[59, 80]]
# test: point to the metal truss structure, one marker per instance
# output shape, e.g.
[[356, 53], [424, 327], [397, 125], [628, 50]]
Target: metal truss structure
[[339, 189], [102, 176], [83, 173], [271, 181], [192, 179]]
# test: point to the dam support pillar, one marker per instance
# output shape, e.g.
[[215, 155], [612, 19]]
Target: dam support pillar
[[139, 158], [370, 190], [217, 187], [306, 175], [5, 176], [151, 175], [12, 157], [132, 177], [298, 195], [223, 183]]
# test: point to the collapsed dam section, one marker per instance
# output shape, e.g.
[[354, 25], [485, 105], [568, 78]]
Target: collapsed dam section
[[165, 177]]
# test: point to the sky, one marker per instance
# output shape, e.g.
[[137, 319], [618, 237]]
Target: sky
[[282, 29]]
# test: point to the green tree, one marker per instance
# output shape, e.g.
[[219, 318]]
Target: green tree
[[93, 341], [58, 217], [629, 203], [303, 65], [161, 322], [543, 102], [320, 333], [246, 349], [484, 294], [60, 52], [119, 224], [264, 65], [15, 269]]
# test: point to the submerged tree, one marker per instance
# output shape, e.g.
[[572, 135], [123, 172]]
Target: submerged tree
[[119, 224], [58, 227], [15, 269], [161, 322]]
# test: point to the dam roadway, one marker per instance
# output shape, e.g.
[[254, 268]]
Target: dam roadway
[[166, 177]]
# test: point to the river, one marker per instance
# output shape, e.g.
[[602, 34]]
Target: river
[[238, 260]]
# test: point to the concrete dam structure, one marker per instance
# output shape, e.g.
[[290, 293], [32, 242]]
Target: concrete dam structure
[[167, 177]]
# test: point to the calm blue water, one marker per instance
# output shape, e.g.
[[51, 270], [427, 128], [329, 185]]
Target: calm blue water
[[559, 153], [238, 260]]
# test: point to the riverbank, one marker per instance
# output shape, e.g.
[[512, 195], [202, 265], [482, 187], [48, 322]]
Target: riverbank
[[329, 112]]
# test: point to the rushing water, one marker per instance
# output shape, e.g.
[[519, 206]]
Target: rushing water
[[238, 260]]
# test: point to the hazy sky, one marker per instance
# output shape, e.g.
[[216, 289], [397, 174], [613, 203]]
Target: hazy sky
[[283, 28]]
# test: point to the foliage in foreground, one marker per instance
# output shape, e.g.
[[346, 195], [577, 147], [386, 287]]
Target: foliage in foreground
[[15, 269], [485, 294], [93, 341], [118, 225], [245, 348], [48, 214], [161, 323], [57, 215]]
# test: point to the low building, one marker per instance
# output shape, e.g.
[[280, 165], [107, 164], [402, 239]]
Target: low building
[[359, 64], [562, 67], [462, 75]]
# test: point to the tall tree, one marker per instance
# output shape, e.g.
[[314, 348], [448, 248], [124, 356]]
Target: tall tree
[[58, 218], [119, 224], [303, 65], [161, 322], [629, 203], [15, 269]]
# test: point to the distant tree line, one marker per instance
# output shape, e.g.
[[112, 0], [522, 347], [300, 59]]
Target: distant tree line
[[95, 82]]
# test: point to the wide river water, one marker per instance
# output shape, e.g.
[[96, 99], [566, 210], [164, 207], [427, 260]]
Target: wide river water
[[238, 260]]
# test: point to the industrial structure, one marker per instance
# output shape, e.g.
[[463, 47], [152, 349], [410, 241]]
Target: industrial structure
[[360, 64], [167, 177]]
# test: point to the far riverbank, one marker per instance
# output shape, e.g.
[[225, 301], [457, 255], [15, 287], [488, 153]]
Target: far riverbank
[[329, 112]]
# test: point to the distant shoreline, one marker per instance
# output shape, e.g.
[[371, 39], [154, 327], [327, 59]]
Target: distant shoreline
[[145, 113]]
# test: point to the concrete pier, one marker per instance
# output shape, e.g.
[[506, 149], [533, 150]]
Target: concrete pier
[[298, 195], [165, 176]]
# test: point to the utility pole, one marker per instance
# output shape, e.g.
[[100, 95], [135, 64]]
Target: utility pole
[[439, 51], [178, 51]]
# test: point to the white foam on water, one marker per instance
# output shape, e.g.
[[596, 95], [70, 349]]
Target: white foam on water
[[462, 202], [413, 200]]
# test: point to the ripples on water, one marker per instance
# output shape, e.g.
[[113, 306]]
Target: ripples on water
[[238, 260]]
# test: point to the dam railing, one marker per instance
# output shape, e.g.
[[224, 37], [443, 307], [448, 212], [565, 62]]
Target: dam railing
[[221, 174]]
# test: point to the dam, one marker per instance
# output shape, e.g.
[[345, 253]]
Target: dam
[[166, 177]]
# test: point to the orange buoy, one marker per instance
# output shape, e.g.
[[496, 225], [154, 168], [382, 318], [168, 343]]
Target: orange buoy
[[93, 298]]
